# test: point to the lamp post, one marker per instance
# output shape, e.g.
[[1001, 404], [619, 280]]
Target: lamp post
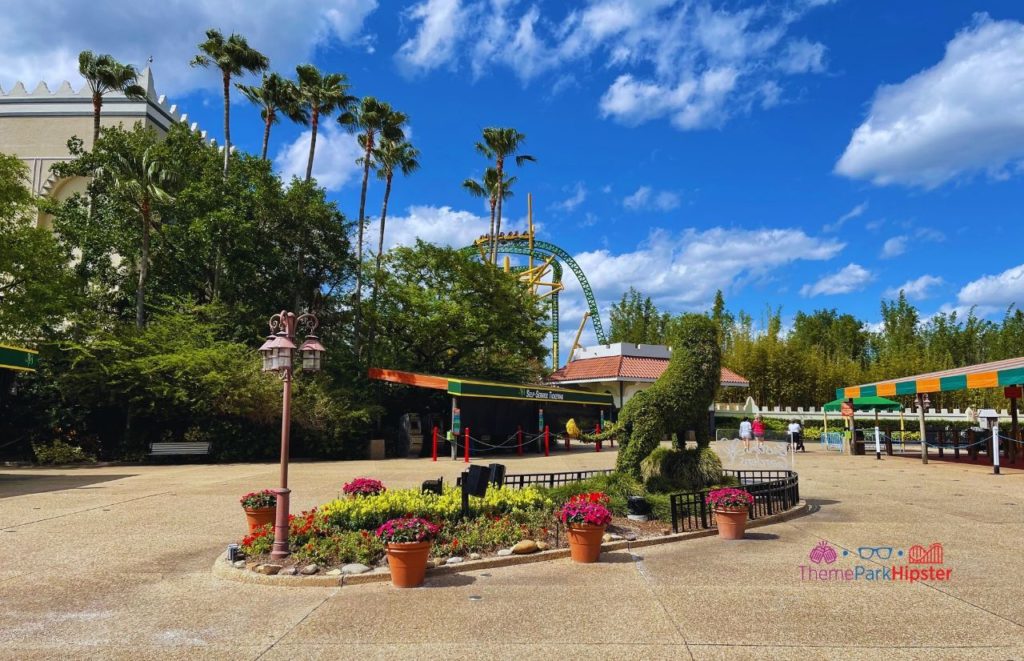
[[278, 354]]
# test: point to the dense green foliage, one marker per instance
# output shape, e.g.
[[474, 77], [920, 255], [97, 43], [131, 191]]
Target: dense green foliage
[[677, 469], [678, 401], [824, 350]]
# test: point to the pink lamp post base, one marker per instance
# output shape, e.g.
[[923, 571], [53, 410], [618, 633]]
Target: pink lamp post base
[[280, 548]]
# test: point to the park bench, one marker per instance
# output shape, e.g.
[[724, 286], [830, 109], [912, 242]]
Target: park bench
[[179, 448]]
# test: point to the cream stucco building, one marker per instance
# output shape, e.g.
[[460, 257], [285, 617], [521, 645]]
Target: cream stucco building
[[36, 126]]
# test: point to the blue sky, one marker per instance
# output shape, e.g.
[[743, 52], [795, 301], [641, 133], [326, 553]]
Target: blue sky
[[802, 153]]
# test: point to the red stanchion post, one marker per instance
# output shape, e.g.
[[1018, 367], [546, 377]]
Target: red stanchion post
[[547, 442], [597, 443], [467, 445], [519, 439], [433, 453]]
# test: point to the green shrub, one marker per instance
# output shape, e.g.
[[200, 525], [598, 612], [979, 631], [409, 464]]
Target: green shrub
[[369, 512], [484, 534], [618, 486], [341, 548], [59, 452], [670, 469]]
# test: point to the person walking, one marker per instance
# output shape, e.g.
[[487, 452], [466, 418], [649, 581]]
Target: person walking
[[745, 433], [796, 436], [758, 428]]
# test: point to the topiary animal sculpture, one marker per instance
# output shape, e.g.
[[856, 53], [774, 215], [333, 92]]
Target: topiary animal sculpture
[[678, 401]]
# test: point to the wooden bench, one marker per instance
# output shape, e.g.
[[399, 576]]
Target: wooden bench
[[180, 448]]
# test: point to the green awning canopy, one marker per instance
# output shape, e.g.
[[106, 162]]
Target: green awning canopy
[[865, 404], [18, 358]]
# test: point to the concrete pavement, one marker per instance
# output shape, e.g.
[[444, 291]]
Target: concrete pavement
[[113, 562]]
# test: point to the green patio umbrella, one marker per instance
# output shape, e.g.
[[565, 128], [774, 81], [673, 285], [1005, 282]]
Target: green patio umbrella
[[865, 404]]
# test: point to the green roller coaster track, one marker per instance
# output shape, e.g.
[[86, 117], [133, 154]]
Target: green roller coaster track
[[541, 250]]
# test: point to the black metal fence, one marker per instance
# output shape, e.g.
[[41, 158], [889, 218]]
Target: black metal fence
[[520, 480], [773, 492]]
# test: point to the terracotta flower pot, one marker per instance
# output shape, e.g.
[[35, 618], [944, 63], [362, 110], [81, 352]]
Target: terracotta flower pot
[[584, 542], [408, 563], [257, 518], [731, 523]]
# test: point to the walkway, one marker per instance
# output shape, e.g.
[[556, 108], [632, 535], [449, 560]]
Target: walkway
[[114, 563]]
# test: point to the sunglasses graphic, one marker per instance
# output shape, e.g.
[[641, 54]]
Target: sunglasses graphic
[[881, 552]]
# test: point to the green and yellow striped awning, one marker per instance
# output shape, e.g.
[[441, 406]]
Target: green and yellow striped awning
[[999, 373], [18, 358]]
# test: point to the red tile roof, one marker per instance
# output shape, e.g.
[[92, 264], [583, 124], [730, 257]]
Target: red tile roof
[[627, 368]]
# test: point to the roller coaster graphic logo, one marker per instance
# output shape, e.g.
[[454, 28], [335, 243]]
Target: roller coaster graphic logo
[[919, 555]]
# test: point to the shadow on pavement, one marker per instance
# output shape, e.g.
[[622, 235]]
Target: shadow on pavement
[[760, 536], [22, 484]]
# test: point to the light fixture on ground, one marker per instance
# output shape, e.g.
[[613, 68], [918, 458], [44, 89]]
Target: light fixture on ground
[[278, 356]]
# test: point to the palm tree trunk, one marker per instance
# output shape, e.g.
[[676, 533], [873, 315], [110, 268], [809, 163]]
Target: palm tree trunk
[[97, 105], [140, 290], [266, 134], [314, 122], [359, 245], [376, 271], [497, 222], [490, 233], [227, 120]]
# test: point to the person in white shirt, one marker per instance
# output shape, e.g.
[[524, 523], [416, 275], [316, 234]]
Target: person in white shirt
[[796, 436], [746, 432]]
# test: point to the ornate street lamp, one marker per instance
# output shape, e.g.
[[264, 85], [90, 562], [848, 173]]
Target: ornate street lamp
[[278, 356]]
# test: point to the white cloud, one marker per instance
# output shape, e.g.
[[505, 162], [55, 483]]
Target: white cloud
[[440, 225], [855, 212], [961, 116], [43, 43], [851, 278], [803, 56], [684, 61], [894, 247], [684, 269], [577, 198], [334, 162], [1003, 289], [647, 199], [916, 289], [440, 24]]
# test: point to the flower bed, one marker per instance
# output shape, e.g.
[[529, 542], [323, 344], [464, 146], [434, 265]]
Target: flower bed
[[345, 530]]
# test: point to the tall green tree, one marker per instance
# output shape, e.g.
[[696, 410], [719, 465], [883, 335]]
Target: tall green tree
[[490, 188], [371, 119], [500, 144], [140, 181], [234, 57], [275, 95], [37, 287], [442, 312], [103, 74], [637, 320], [391, 157], [321, 95]]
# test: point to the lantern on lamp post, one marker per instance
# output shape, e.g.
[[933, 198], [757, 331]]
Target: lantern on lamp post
[[278, 355]]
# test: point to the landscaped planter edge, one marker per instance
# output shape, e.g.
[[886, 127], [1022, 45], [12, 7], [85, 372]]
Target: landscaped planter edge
[[223, 569]]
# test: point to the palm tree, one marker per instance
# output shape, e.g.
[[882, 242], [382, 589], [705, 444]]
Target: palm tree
[[139, 180], [321, 94], [374, 118], [104, 74], [489, 188], [275, 95], [500, 144], [233, 56], [390, 155]]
